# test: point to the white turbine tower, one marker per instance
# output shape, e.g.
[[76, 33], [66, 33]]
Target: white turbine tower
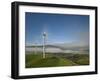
[[44, 42]]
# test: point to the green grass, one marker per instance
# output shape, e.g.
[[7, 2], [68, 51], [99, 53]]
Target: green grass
[[51, 60], [81, 59]]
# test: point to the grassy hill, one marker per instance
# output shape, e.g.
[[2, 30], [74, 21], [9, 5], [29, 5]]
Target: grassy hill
[[51, 60]]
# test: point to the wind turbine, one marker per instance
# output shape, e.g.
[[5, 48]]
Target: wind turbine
[[44, 42]]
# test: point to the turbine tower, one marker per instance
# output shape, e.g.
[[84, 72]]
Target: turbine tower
[[44, 42]]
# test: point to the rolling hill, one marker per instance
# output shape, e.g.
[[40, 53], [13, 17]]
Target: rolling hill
[[49, 62]]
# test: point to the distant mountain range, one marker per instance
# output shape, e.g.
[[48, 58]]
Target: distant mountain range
[[61, 48]]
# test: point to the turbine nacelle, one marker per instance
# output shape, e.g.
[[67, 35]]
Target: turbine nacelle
[[44, 34]]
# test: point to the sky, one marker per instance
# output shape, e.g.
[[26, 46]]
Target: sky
[[60, 28]]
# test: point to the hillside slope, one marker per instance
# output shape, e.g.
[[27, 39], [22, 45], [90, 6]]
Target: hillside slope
[[48, 62]]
